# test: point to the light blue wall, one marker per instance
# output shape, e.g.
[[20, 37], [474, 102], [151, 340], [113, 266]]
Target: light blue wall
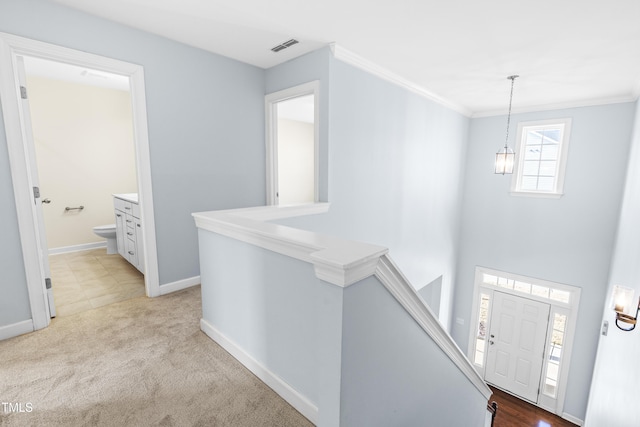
[[269, 310], [307, 68], [279, 313], [614, 390], [206, 131], [567, 240], [393, 373], [354, 352], [395, 175], [396, 162], [14, 298]]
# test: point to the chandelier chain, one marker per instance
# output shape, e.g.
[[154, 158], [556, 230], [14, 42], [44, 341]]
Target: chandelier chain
[[513, 79]]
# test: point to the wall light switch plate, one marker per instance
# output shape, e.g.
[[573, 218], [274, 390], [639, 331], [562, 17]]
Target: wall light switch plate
[[605, 328]]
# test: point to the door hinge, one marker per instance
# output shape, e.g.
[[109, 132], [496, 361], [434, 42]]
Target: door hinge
[[23, 92], [47, 282], [36, 192]]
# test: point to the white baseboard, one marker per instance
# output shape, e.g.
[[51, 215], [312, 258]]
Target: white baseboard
[[77, 248], [571, 418], [288, 393], [15, 329], [179, 285]]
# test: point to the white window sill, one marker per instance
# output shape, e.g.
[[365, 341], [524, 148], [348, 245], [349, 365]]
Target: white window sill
[[536, 194]]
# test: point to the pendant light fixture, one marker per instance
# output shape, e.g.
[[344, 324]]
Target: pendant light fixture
[[505, 158]]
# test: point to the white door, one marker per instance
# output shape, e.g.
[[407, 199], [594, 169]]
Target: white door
[[517, 340], [43, 248]]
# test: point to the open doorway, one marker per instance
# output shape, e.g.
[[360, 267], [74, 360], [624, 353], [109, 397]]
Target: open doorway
[[24, 170], [292, 145], [82, 127]]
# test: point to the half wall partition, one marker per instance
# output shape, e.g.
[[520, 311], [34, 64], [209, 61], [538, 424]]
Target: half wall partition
[[331, 325]]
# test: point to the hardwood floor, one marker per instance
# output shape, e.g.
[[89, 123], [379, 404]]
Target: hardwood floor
[[513, 412]]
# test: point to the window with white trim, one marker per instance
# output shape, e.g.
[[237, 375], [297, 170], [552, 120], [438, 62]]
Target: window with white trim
[[541, 153]]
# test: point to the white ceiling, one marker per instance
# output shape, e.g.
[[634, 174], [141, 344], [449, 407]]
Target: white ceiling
[[567, 52]]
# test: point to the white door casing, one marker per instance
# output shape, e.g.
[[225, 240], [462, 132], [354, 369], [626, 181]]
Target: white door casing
[[20, 149], [564, 302], [271, 124], [516, 344]]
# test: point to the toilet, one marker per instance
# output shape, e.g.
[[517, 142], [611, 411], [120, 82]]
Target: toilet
[[108, 232]]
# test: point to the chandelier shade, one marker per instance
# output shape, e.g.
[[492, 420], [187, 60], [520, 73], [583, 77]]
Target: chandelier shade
[[505, 158]]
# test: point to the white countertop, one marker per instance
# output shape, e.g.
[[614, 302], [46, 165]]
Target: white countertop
[[129, 197]]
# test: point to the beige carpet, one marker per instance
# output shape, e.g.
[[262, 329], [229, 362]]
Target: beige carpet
[[140, 362]]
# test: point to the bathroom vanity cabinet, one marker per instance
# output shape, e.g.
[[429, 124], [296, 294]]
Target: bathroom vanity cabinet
[[129, 229]]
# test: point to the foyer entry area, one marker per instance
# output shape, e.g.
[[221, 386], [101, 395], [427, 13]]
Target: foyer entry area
[[523, 337], [514, 412]]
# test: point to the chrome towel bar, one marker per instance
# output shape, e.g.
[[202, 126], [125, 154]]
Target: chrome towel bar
[[67, 209]]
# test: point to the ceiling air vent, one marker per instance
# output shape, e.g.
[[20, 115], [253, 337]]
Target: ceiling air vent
[[284, 45]]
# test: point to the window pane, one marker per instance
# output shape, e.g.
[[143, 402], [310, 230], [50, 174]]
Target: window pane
[[558, 295], [533, 138], [546, 183], [483, 315], [529, 183], [559, 323], [554, 354], [503, 282], [489, 279], [540, 291], [532, 153], [547, 168], [479, 356], [551, 136], [530, 167], [522, 287], [549, 152], [481, 333]]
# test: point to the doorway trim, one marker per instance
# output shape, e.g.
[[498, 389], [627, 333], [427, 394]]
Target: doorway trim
[[568, 309], [21, 149], [270, 103]]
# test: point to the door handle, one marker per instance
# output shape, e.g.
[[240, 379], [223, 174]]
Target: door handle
[[491, 342], [493, 336], [46, 201]]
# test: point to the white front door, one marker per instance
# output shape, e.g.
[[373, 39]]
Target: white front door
[[517, 340]]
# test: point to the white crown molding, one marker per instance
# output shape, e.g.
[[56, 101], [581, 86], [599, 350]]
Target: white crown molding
[[358, 61], [345, 55], [557, 106]]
